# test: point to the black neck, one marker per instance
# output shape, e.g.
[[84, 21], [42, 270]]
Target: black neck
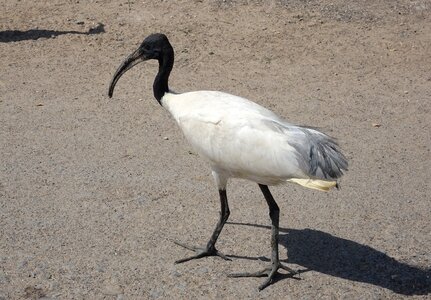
[[160, 85]]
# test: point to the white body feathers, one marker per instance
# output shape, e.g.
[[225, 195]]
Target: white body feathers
[[245, 140]]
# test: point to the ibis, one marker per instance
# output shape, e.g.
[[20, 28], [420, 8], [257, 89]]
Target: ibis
[[241, 139]]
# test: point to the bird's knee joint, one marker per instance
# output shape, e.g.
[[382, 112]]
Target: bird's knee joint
[[274, 213], [225, 215]]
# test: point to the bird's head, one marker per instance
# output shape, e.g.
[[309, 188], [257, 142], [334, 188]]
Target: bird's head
[[154, 46]]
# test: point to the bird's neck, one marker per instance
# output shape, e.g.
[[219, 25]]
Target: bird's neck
[[160, 86]]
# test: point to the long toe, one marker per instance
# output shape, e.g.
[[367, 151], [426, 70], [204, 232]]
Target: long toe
[[269, 280], [192, 248], [200, 252], [286, 268], [271, 272], [199, 255]]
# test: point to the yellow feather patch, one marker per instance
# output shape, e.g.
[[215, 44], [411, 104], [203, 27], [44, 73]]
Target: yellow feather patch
[[315, 184]]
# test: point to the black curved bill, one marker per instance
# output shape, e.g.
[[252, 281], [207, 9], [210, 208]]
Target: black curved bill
[[131, 61]]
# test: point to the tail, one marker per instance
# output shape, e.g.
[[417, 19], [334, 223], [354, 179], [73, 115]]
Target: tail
[[315, 184], [325, 158], [321, 159], [318, 155]]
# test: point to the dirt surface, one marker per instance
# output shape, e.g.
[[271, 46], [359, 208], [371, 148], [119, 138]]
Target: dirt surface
[[94, 190]]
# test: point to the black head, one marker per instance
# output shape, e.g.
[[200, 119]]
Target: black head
[[155, 46]]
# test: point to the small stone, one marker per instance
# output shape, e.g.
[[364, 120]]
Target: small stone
[[142, 200], [181, 286], [156, 293], [4, 279], [34, 292], [166, 138], [111, 289]]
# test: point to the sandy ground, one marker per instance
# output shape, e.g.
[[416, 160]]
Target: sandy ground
[[94, 190]]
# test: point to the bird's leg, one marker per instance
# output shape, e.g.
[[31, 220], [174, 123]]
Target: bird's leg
[[272, 270], [210, 249]]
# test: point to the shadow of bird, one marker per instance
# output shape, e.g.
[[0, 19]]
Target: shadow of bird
[[8, 36], [325, 253]]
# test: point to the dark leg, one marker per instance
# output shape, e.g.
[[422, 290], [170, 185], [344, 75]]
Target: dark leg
[[274, 214], [210, 249]]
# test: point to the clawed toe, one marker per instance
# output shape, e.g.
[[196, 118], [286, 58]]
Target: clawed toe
[[187, 246], [286, 268], [271, 272], [200, 252]]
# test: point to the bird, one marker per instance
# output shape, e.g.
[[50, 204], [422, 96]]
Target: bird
[[240, 139]]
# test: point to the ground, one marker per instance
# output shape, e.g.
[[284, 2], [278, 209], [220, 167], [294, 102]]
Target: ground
[[93, 190]]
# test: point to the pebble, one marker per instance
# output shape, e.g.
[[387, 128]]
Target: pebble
[[156, 293], [142, 200], [181, 286], [4, 279], [202, 270], [112, 289]]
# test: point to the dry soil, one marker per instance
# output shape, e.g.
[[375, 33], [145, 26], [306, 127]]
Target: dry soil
[[93, 190]]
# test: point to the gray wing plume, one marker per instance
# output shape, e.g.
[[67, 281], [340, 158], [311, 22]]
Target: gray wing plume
[[321, 154], [318, 154]]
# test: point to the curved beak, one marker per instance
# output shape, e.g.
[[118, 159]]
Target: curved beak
[[131, 61]]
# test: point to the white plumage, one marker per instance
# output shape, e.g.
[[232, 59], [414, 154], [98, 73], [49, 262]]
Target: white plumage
[[241, 139]]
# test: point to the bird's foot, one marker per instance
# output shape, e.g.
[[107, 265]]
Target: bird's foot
[[271, 272], [200, 252]]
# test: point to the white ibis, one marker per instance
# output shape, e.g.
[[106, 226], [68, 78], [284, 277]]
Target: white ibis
[[241, 139]]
